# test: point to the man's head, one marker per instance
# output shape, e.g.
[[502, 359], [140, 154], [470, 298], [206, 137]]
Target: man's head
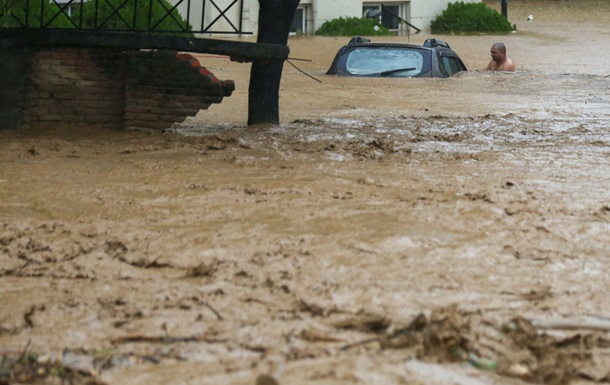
[[498, 52]]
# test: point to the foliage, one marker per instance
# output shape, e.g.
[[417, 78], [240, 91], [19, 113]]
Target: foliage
[[460, 17], [22, 13], [352, 26], [121, 15], [129, 13]]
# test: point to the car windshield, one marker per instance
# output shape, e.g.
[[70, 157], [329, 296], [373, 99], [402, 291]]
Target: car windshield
[[389, 61]]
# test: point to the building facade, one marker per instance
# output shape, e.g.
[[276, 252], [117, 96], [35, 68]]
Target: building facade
[[225, 15]]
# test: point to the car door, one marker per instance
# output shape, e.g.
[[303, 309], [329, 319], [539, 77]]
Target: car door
[[449, 63]]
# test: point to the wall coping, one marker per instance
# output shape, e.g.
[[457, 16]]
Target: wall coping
[[240, 50]]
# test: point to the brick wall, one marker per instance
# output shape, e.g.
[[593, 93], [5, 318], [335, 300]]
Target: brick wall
[[14, 66], [69, 86], [156, 95], [109, 88]]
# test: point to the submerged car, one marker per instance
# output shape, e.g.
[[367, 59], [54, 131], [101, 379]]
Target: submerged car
[[361, 57]]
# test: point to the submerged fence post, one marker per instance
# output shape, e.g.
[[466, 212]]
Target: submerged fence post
[[504, 8]]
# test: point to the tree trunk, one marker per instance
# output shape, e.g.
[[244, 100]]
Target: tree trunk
[[274, 20]]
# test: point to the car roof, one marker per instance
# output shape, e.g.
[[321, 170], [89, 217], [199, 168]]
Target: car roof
[[380, 44], [429, 44]]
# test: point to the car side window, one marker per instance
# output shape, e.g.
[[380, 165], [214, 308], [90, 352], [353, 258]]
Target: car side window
[[393, 61], [451, 65]]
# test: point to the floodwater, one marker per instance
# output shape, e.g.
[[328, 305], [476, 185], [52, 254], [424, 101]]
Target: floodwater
[[420, 231]]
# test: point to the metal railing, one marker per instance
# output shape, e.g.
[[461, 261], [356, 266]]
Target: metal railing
[[141, 16]]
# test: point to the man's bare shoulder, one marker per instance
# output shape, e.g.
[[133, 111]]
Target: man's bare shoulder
[[508, 65]]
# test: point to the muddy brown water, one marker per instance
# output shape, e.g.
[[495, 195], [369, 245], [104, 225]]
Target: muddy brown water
[[387, 232]]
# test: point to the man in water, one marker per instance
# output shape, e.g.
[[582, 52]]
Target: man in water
[[499, 61]]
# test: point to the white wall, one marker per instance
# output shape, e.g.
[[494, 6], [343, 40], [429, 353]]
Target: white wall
[[424, 11], [319, 12], [325, 10]]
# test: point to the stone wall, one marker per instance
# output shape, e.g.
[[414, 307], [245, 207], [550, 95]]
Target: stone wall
[[104, 87]]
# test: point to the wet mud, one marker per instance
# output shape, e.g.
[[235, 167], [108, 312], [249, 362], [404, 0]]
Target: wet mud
[[421, 231]]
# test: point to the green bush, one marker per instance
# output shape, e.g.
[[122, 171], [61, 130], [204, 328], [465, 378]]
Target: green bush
[[463, 17], [352, 26], [13, 14], [107, 19]]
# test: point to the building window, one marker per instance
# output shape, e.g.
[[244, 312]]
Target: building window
[[391, 13], [299, 22]]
